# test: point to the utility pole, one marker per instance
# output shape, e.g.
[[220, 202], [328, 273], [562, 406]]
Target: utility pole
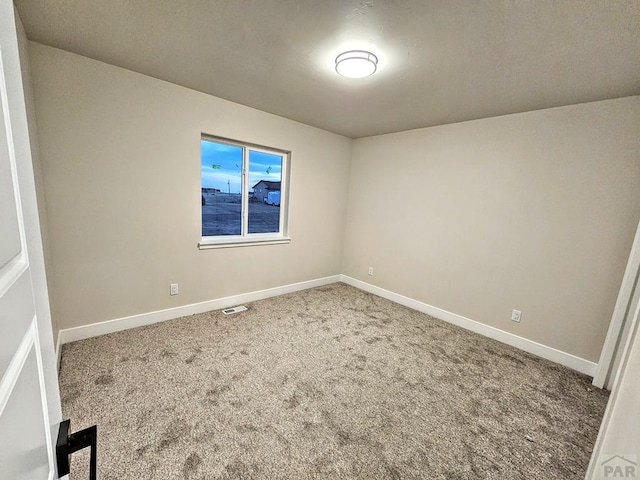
[[229, 186]]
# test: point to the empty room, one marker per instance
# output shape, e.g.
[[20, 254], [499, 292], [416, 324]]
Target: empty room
[[320, 239]]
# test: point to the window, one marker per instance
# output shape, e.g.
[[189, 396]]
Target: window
[[244, 192]]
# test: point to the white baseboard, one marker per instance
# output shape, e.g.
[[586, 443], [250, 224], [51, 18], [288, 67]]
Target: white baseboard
[[125, 323], [102, 328], [568, 360]]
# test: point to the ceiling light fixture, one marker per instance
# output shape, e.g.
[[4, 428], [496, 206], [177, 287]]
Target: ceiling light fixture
[[356, 64]]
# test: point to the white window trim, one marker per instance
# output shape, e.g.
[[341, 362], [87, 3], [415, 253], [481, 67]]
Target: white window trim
[[236, 241], [253, 239]]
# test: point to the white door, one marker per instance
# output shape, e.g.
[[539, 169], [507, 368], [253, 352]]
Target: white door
[[29, 397]]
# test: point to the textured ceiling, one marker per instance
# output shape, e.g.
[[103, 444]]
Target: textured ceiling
[[441, 61]]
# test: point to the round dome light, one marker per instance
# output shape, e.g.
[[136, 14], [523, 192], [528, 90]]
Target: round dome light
[[356, 64]]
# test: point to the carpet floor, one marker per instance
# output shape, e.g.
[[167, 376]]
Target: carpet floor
[[326, 383]]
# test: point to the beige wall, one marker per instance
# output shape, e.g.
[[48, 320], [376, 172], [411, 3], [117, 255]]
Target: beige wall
[[533, 211], [121, 161], [23, 45]]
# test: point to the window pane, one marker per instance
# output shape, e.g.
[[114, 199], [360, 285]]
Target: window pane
[[221, 174], [265, 178]]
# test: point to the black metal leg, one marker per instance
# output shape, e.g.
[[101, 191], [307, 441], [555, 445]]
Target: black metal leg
[[69, 444]]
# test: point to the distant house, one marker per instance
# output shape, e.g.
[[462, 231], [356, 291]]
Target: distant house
[[263, 187]]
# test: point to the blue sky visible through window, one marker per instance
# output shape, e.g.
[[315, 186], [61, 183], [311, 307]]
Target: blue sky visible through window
[[221, 166], [222, 210], [264, 166]]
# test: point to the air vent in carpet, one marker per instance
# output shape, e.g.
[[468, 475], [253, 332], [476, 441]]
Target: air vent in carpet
[[232, 310]]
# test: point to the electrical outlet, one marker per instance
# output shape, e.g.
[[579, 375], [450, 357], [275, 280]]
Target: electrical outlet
[[516, 315], [174, 289], [371, 271]]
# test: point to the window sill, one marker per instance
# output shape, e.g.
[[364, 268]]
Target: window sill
[[207, 243]]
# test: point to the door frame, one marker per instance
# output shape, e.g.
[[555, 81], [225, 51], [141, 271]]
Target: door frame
[[614, 344], [624, 370]]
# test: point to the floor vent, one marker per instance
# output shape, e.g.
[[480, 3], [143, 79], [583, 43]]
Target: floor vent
[[232, 310]]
